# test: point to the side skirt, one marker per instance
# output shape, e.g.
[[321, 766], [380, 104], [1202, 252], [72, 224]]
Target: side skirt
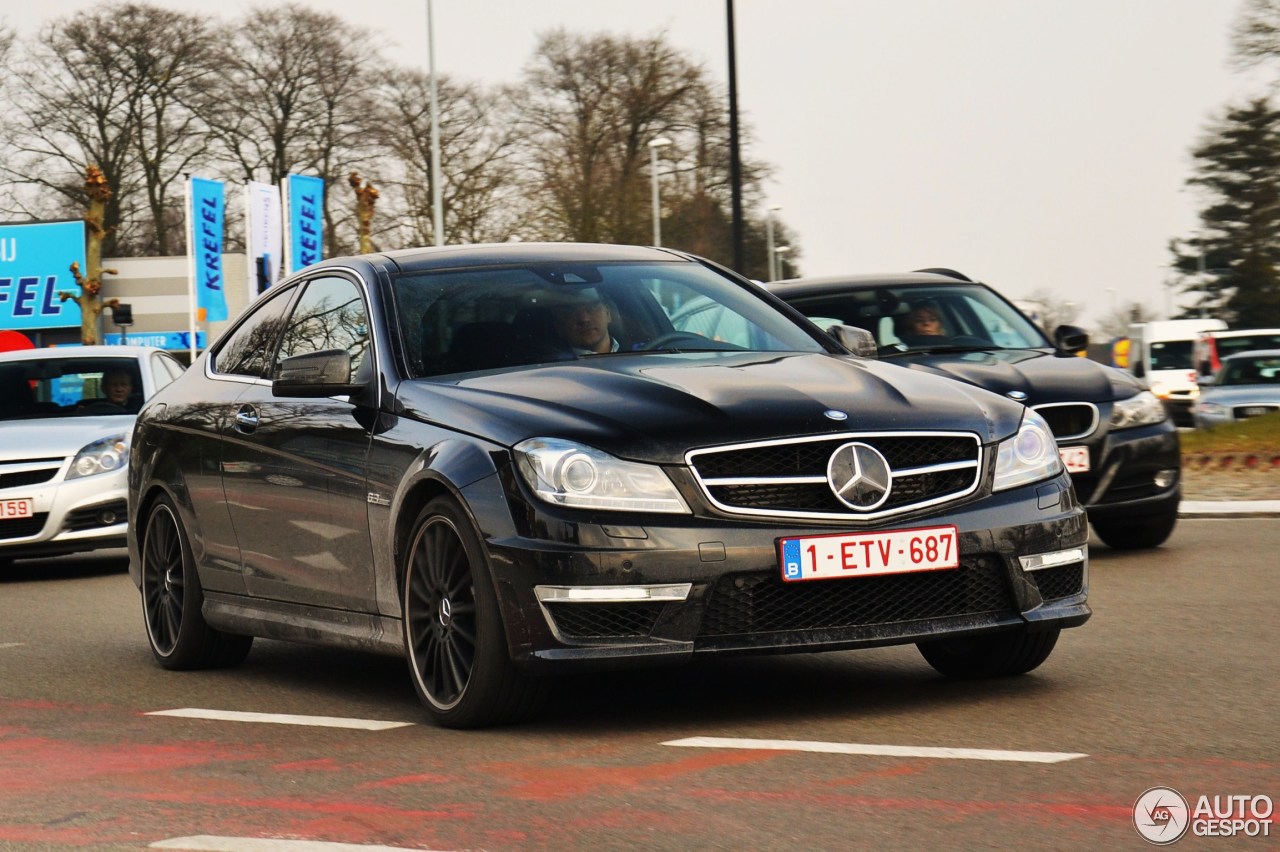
[[269, 619]]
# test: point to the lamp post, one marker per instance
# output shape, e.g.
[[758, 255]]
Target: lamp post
[[778, 252], [654, 145], [768, 229], [437, 205]]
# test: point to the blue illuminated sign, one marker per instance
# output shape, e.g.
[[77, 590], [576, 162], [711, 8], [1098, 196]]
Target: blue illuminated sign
[[176, 340], [35, 265]]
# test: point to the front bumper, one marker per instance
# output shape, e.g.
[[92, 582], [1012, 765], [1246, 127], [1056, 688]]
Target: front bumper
[[688, 585], [69, 516], [1134, 473]]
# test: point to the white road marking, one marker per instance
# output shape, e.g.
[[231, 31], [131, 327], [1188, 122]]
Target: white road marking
[[878, 750], [213, 843], [281, 719], [4, 645]]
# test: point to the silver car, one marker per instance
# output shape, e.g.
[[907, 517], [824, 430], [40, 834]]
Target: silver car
[[1247, 385], [66, 420]]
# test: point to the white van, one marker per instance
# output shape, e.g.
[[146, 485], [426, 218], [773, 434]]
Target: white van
[[1161, 353]]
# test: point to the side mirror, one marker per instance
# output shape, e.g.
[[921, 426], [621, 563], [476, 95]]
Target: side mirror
[[859, 341], [1206, 380], [1070, 339], [314, 374]]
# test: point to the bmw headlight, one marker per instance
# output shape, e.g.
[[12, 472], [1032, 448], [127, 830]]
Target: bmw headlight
[[1140, 410], [101, 456], [1029, 456], [569, 474]]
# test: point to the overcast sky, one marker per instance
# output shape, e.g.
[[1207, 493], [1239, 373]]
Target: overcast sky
[[1033, 144]]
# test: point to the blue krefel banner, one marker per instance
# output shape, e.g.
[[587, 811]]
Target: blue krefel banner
[[205, 246], [35, 265], [304, 200]]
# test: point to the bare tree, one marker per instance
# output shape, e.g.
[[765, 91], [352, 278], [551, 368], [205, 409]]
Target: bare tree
[[106, 88], [478, 193], [90, 279], [292, 99], [590, 106]]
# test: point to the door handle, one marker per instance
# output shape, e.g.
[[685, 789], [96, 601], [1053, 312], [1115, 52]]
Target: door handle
[[246, 419]]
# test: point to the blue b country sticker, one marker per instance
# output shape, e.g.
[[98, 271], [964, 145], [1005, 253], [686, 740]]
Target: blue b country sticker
[[791, 559]]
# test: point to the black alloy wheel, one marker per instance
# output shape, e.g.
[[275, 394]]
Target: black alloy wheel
[[454, 639], [172, 599]]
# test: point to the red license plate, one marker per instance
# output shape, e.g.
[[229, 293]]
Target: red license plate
[[18, 508], [825, 557]]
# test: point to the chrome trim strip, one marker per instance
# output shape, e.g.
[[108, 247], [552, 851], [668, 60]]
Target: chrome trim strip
[[704, 484], [613, 594], [1040, 561]]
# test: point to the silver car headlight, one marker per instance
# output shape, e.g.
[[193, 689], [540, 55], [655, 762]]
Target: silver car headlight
[[1028, 456], [568, 474], [1140, 410], [1212, 409], [101, 456]]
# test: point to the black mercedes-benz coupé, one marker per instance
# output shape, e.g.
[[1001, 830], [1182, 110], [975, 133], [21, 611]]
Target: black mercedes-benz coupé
[[507, 461]]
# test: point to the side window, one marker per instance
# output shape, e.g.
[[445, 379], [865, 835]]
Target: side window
[[329, 315], [247, 351]]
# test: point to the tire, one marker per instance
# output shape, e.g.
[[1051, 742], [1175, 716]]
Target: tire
[[990, 655], [453, 634], [1135, 533], [172, 600]]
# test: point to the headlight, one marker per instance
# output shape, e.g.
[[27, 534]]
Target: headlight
[[1141, 410], [101, 457], [1028, 456], [1212, 409], [569, 474]]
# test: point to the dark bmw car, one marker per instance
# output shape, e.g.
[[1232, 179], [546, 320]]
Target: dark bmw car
[[503, 462], [1115, 438]]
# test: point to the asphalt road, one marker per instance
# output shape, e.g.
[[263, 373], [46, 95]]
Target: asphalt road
[[1173, 683]]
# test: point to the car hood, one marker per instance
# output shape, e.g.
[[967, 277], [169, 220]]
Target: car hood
[[655, 407], [50, 437], [1041, 375]]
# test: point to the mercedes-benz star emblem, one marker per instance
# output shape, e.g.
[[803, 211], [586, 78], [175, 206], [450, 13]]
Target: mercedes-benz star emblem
[[859, 475]]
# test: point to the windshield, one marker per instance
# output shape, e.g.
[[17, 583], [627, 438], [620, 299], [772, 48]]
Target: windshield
[[485, 318], [69, 387], [919, 318], [1245, 370]]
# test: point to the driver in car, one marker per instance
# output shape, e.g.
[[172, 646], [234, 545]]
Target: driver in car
[[581, 320]]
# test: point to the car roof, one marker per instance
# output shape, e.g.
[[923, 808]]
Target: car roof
[[79, 352], [501, 254], [1252, 353], [832, 283], [1239, 332]]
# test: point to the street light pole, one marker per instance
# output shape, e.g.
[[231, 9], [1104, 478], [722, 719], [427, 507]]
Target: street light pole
[[654, 145], [768, 229], [437, 204], [778, 253]]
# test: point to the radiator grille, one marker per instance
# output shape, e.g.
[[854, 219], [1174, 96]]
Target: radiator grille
[[742, 604]]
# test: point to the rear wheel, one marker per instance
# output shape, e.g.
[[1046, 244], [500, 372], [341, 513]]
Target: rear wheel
[[1136, 533], [172, 599], [990, 655], [453, 633]]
